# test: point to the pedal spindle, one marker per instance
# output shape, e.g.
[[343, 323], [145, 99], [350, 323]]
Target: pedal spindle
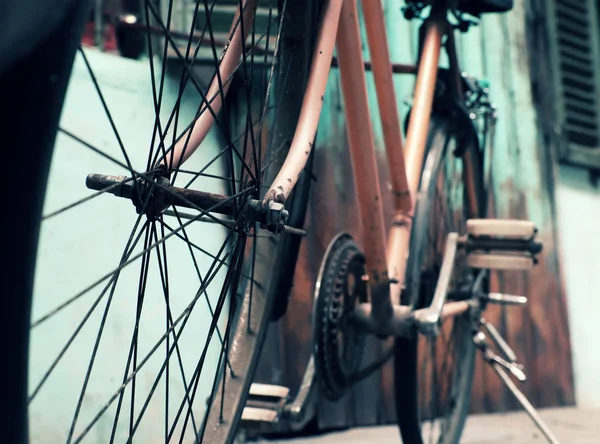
[[504, 299]]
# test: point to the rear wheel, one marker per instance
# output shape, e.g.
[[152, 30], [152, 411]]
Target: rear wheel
[[433, 375], [148, 321]]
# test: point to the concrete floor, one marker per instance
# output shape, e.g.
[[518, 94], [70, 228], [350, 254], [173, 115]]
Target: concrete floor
[[570, 425]]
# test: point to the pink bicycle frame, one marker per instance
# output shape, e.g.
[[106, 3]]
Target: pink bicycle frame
[[385, 259]]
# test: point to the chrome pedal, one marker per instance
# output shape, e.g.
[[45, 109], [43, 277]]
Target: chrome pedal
[[264, 405], [501, 244]]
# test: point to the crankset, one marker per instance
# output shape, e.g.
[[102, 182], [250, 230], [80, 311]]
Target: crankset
[[339, 343]]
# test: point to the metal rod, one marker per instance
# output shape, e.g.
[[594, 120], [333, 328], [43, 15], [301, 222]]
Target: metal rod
[[453, 309], [499, 341], [229, 222], [428, 318], [390, 122], [421, 110], [526, 404]]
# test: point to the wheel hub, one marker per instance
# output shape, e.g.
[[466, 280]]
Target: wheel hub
[[152, 193]]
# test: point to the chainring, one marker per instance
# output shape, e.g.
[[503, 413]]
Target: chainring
[[338, 345]]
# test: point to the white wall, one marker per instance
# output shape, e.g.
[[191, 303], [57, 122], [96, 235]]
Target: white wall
[[578, 203]]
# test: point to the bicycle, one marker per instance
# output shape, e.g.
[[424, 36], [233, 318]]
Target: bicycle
[[383, 289]]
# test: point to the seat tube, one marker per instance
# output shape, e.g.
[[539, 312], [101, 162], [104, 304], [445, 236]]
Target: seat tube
[[364, 164]]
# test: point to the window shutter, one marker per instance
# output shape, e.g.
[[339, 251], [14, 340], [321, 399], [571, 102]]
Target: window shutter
[[574, 55]]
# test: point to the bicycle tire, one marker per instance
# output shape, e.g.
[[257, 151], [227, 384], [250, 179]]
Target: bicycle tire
[[51, 63], [409, 356]]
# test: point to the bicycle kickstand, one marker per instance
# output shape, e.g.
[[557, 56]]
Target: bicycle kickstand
[[501, 365]]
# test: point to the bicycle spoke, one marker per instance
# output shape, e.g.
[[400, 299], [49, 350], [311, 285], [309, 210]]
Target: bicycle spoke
[[190, 73], [131, 244], [203, 96], [159, 185], [192, 244], [232, 280], [133, 343], [226, 130], [108, 114], [191, 251], [93, 356], [157, 97], [134, 258], [169, 319], [182, 317], [85, 199], [201, 362]]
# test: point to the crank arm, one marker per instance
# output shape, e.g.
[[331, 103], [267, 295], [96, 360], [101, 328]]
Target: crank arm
[[427, 319]]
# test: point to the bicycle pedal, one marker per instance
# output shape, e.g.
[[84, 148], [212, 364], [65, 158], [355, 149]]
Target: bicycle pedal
[[264, 405], [501, 244], [505, 228], [268, 392]]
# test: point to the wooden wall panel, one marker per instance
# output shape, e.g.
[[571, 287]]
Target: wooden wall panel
[[523, 180]]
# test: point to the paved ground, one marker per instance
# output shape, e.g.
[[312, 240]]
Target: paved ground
[[570, 425]]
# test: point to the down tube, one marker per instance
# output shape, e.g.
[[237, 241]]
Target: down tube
[[364, 164]]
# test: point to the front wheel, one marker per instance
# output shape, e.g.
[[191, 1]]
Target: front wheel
[[433, 375]]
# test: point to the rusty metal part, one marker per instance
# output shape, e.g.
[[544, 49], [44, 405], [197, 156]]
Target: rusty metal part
[[308, 121], [158, 198], [286, 228], [183, 197], [401, 322], [364, 164], [388, 108]]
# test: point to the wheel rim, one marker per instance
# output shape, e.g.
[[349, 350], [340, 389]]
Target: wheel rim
[[221, 259], [444, 360], [444, 364]]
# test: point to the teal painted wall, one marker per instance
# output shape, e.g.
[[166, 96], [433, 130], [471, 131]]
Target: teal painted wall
[[80, 245]]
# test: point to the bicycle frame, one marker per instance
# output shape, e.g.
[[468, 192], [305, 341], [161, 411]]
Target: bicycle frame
[[386, 259]]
